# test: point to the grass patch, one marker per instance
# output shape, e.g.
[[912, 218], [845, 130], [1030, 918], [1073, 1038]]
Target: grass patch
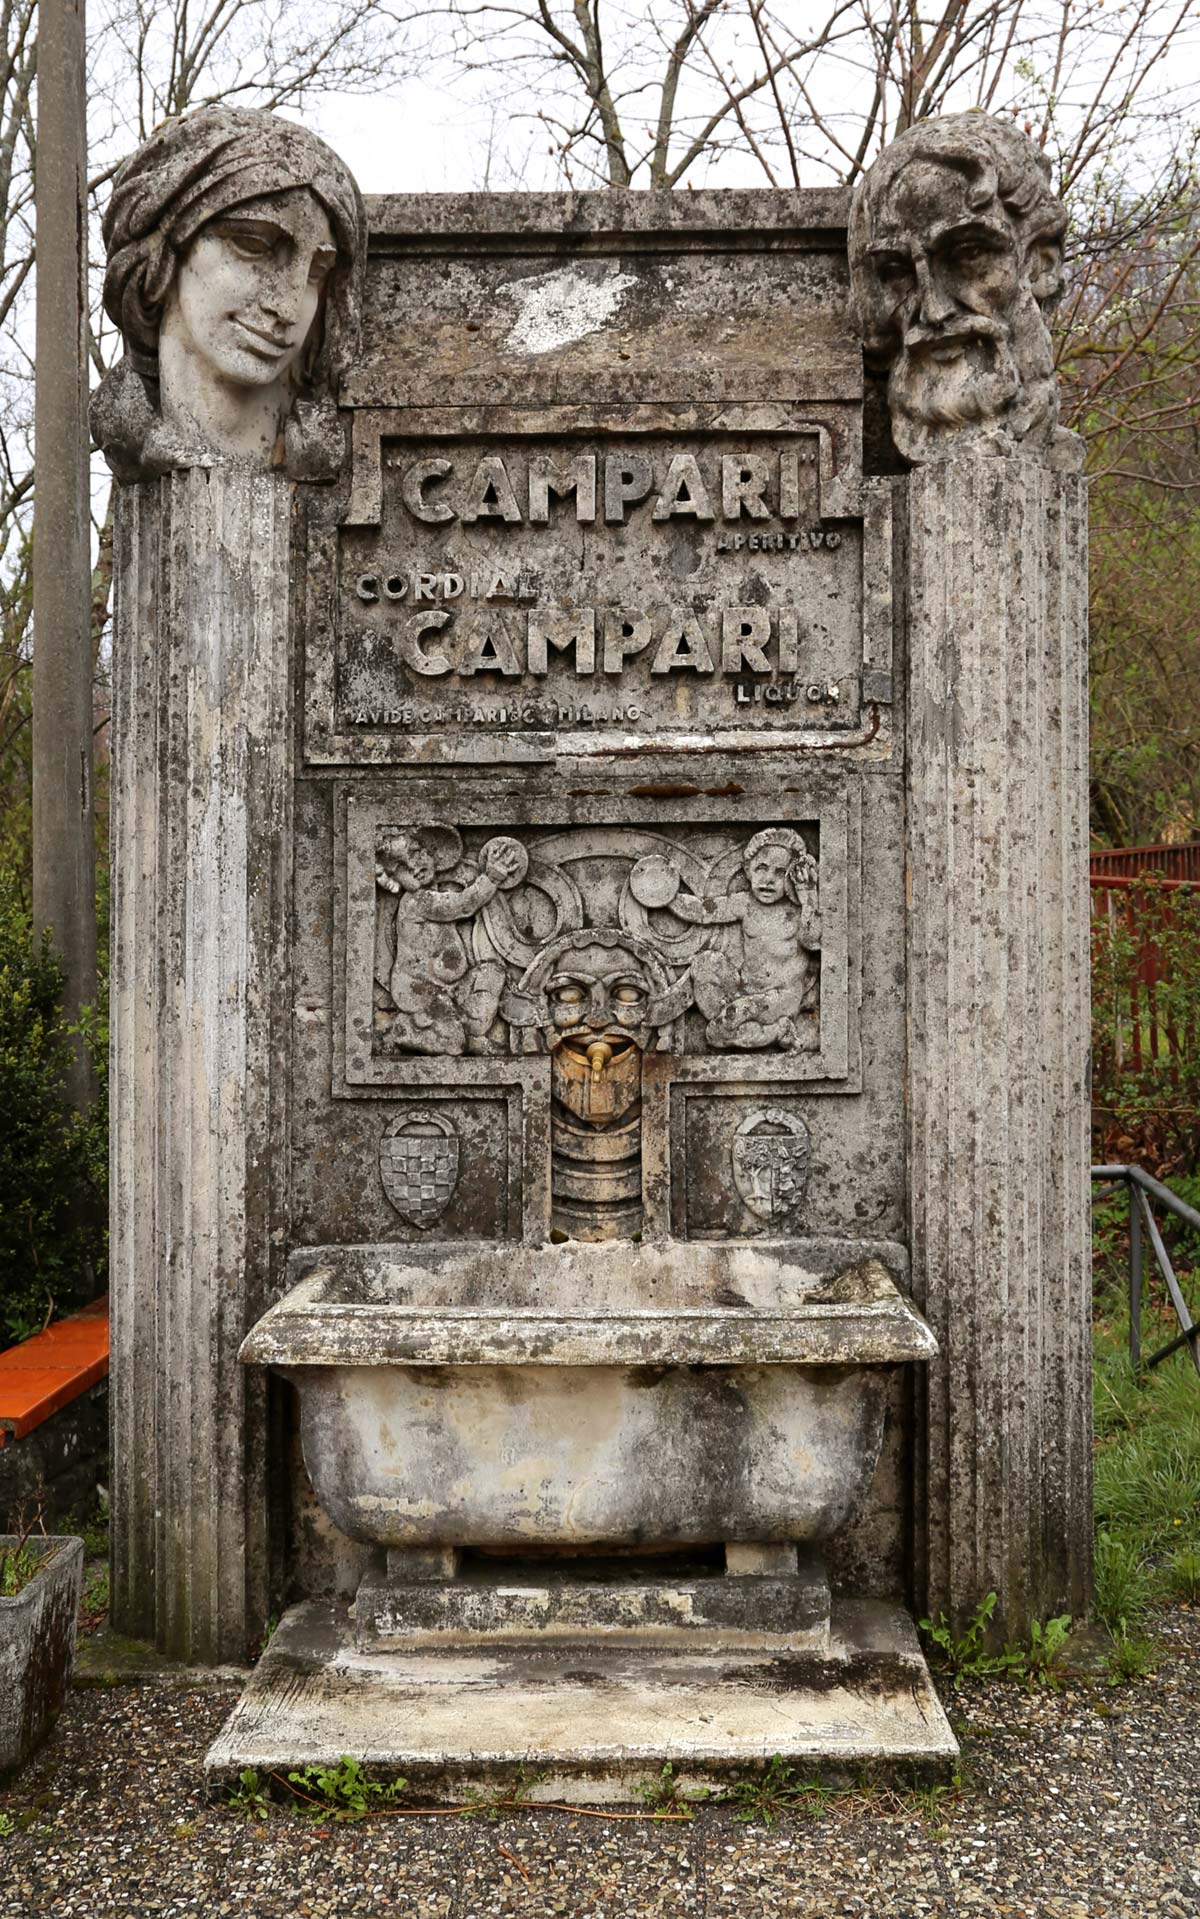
[[1147, 1468]]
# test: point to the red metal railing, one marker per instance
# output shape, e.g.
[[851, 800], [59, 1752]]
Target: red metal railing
[[1127, 862], [1140, 904]]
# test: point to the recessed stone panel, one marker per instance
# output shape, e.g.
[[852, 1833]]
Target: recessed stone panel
[[445, 1166], [745, 1165], [469, 941], [506, 595]]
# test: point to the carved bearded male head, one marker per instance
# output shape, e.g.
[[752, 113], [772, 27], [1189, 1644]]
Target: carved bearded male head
[[235, 246], [956, 260]]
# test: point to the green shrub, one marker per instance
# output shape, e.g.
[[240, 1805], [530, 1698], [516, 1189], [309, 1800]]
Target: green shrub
[[53, 1162]]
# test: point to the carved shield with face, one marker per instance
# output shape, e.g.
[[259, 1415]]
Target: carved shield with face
[[771, 1154], [418, 1165]]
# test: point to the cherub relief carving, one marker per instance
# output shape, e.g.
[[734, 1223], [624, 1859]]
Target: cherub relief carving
[[956, 262], [429, 996], [754, 985], [236, 243], [506, 949]]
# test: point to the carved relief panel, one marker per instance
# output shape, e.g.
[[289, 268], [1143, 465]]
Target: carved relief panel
[[626, 547], [505, 597], [470, 942], [589, 969]]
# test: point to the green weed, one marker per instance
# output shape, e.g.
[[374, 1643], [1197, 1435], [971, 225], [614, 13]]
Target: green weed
[[933, 1799], [249, 1797], [1184, 1574], [343, 1791], [25, 1557], [779, 1789], [17, 1567], [96, 1590], [1133, 1656], [1044, 1659], [1124, 1588], [968, 1654], [666, 1798]]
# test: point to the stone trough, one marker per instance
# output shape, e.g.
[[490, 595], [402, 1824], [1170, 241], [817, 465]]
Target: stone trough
[[595, 1478], [590, 1395]]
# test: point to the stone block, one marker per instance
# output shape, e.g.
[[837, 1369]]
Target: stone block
[[787, 1609], [37, 1646], [595, 1721]]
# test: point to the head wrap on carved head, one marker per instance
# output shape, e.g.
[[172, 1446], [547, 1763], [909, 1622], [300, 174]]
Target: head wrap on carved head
[[191, 171], [804, 870]]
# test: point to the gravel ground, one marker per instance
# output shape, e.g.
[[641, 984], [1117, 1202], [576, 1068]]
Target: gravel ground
[[1080, 1804]]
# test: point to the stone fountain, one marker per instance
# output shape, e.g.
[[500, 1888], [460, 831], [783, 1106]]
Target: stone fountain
[[600, 958]]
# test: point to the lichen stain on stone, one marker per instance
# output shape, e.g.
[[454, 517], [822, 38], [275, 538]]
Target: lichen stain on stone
[[558, 308]]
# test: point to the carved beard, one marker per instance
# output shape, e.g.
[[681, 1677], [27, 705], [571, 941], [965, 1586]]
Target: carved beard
[[934, 403], [1000, 394]]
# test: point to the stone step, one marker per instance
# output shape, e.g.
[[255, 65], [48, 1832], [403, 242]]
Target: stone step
[[592, 1721]]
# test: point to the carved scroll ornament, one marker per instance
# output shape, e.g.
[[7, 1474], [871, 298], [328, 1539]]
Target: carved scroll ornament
[[956, 263]]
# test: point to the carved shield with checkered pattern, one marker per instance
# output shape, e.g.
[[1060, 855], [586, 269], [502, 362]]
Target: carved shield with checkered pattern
[[771, 1154], [418, 1165]]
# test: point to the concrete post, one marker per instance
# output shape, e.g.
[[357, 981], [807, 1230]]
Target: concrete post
[[64, 859], [998, 1033], [201, 803]]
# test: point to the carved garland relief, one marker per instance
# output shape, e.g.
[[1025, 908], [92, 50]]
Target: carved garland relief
[[506, 950], [595, 946]]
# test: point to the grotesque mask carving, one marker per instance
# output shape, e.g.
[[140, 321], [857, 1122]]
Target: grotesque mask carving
[[235, 250], [956, 261], [600, 987], [594, 947]]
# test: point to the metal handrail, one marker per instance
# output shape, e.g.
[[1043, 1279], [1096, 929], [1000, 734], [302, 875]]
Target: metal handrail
[[1142, 1188]]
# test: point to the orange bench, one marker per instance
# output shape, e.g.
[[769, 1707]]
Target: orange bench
[[47, 1372]]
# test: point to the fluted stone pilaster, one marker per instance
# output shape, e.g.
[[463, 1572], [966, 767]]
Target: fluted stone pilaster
[[201, 801], [998, 1033]]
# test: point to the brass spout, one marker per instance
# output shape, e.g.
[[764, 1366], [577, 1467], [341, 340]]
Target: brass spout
[[599, 1053]]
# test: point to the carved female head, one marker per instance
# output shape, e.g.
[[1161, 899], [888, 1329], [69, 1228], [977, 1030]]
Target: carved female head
[[235, 251]]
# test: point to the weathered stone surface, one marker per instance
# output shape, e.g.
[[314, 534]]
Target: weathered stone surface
[[56, 1468], [201, 802], [593, 1721], [998, 1019], [235, 246], [37, 1646], [668, 418], [701, 1394], [802, 1303], [956, 253], [784, 1605], [547, 1041]]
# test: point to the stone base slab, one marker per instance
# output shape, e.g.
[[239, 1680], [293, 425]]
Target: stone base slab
[[591, 1720], [785, 1613]]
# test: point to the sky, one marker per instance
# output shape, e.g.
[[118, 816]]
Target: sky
[[432, 129]]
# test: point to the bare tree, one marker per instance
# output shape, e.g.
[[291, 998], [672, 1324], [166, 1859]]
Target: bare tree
[[148, 59], [604, 93], [596, 93], [693, 89]]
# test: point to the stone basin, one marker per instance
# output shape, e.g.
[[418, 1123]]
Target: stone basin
[[580, 1395]]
